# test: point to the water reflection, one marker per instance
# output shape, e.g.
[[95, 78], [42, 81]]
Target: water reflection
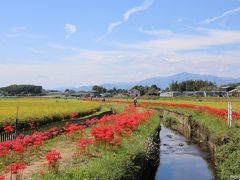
[[181, 160]]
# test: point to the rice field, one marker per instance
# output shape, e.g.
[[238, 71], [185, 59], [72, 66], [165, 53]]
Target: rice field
[[30, 109]]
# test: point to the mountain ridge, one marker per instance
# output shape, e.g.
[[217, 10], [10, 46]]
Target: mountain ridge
[[161, 81]]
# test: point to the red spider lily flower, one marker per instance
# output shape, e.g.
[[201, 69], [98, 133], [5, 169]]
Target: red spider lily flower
[[71, 129], [5, 148], [9, 128], [14, 168], [84, 141], [53, 156], [214, 111], [124, 123], [82, 144], [18, 146], [92, 121], [72, 115]]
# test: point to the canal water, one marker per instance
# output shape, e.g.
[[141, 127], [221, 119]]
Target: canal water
[[181, 160]]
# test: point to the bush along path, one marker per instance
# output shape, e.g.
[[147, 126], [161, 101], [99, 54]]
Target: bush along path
[[106, 149]]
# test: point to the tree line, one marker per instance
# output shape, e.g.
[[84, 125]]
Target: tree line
[[192, 85], [21, 90], [144, 90], [188, 85]]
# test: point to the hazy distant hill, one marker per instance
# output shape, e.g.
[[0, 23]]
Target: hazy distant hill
[[164, 81]]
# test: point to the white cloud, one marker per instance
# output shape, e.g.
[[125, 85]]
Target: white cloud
[[146, 4], [175, 53], [70, 29], [226, 13], [207, 38], [114, 25], [154, 32], [110, 66]]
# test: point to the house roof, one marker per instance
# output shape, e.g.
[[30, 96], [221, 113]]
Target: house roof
[[93, 91], [171, 92], [134, 90], [234, 90], [79, 93]]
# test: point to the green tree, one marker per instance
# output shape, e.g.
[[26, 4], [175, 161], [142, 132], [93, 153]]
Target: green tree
[[99, 89], [21, 90], [192, 85]]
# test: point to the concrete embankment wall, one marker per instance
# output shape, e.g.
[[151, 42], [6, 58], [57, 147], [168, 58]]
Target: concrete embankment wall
[[191, 129]]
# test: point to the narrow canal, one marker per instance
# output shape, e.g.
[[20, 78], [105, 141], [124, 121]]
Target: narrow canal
[[179, 159]]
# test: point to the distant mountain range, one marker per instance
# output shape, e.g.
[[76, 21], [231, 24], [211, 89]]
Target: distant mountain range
[[161, 81]]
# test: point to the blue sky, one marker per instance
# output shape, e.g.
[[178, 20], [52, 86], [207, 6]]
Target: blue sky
[[73, 43]]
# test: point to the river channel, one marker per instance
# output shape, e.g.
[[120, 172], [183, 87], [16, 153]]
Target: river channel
[[181, 159]]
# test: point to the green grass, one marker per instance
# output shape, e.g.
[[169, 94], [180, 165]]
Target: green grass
[[215, 124], [228, 159]]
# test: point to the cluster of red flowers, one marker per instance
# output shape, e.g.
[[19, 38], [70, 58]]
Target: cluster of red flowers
[[82, 145], [210, 110], [92, 121], [110, 128], [8, 128], [20, 144], [71, 129], [68, 128], [73, 115], [53, 156], [23, 146], [14, 169]]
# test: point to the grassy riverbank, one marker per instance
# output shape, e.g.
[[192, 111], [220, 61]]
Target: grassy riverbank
[[123, 162], [227, 156]]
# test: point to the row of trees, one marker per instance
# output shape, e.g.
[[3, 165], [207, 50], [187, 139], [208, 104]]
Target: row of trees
[[192, 85], [113, 91], [144, 90], [148, 90], [188, 85], [21, 90], [116, 91]]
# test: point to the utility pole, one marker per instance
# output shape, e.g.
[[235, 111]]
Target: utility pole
[[16, 123], [229, 114]]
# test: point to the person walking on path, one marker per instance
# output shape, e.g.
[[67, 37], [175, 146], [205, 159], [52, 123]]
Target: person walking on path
[[135, 101]]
